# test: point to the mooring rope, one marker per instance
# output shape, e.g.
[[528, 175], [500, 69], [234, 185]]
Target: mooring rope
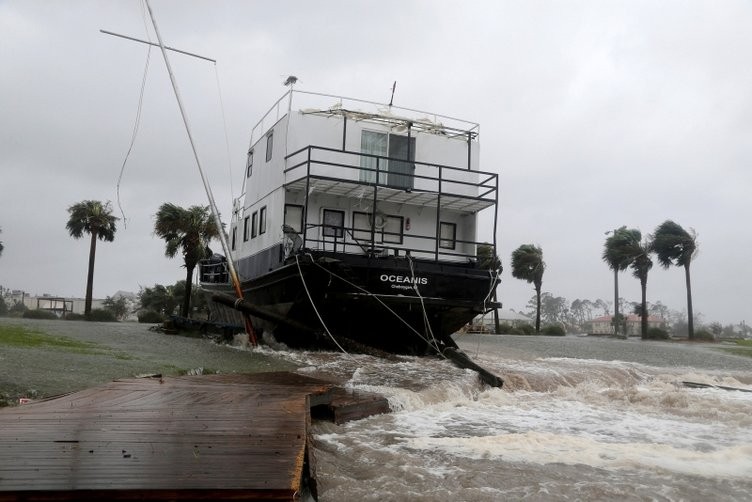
[[375, 297], [305, 286], [426, 322]]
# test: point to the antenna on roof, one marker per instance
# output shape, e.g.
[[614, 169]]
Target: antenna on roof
[[391, 100], [290, 80]]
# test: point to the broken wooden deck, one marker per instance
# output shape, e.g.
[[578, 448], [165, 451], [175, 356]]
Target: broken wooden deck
[[210, 437]]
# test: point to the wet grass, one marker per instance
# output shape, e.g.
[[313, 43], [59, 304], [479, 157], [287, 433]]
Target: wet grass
[[743, 348], [24, 338]]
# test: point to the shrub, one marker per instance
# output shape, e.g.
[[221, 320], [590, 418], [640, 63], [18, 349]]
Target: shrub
[[101, 315], [524, 329], [656, 334], [704, 335], [150, 317], [75, 317], [553, 330], [39, 314]]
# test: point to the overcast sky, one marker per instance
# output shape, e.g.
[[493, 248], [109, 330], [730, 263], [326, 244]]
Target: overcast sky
[[596, 114]]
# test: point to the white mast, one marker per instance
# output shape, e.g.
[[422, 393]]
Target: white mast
[[207, 188]]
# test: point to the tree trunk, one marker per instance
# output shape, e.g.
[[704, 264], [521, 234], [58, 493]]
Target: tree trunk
[[690, 315], [496, 315], [616, 302], [186, 308], [90, 277], [644, 308], [537, 309]]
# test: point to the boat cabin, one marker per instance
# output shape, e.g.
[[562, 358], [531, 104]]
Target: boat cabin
[[342, 175]]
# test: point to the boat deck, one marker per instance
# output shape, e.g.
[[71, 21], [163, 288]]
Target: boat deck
[[211, 437]]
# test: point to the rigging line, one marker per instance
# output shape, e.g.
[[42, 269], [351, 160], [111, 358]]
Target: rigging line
[[224, 123], [375, 297], [136, 126], [426, 322], [305, 286]]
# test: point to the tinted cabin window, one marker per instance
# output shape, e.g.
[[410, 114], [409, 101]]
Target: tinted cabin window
[[334, 223], [294, 217], [269, 145], [254, 224], [392, 231], [262, 220], [246, 228], [448, 235]]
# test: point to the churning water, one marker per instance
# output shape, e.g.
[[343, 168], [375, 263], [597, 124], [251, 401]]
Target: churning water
[[578, 419]]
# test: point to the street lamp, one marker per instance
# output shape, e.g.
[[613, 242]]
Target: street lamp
[[616, 292]]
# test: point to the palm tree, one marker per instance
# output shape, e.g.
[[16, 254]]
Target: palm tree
[[528, 265], [675, 246], [96, 219], [188, 231], [617, 261]]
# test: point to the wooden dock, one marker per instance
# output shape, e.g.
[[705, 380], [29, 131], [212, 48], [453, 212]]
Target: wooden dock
[[210, 437]]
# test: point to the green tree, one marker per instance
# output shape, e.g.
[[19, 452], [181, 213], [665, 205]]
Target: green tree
[[158, 299], [187, 231], [675, 246], [96, 219], [617, 261], [118, 307], [528, 265]]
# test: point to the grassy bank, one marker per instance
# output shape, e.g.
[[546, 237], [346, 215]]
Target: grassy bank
[[46, 358]]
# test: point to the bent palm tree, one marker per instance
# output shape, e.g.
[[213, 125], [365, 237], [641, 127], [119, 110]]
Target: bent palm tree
[[188, 231], [528, 265], [675, 246], [617, 260], [94, 218]]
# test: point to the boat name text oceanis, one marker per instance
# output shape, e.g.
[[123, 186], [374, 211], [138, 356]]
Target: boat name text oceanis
[[403, 281]]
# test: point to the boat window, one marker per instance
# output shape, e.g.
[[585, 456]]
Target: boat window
[[254, 224], [392, 230], [334, 223], [294, 217], [246, 229], [262, 220], [249, 164], [361, 223], [394, 173], [372, 143], [269, 145], [234, 235], [448, 237], [401, 172]]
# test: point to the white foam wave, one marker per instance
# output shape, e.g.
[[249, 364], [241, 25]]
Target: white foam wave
[[548, 448]]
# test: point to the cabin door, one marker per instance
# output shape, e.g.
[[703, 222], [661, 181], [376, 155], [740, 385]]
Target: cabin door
[[401, 173], [394, 173]]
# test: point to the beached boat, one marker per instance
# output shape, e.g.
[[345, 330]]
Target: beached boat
[[358, 227]]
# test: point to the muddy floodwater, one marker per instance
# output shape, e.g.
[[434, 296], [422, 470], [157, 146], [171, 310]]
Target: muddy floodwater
[[578, 418]]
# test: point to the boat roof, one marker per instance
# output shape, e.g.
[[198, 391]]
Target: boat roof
[[400, 118]]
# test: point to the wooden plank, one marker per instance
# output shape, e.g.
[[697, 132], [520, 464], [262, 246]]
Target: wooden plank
[[235, 437]]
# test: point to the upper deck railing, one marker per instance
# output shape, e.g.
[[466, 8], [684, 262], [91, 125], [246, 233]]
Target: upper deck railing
[[311, 102], [420, 182]]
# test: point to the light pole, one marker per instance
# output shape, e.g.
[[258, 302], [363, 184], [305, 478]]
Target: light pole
[[616, 292]]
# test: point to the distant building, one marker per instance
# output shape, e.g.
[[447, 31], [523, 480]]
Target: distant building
[[64, 305], [603, 325], [485, 324]]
